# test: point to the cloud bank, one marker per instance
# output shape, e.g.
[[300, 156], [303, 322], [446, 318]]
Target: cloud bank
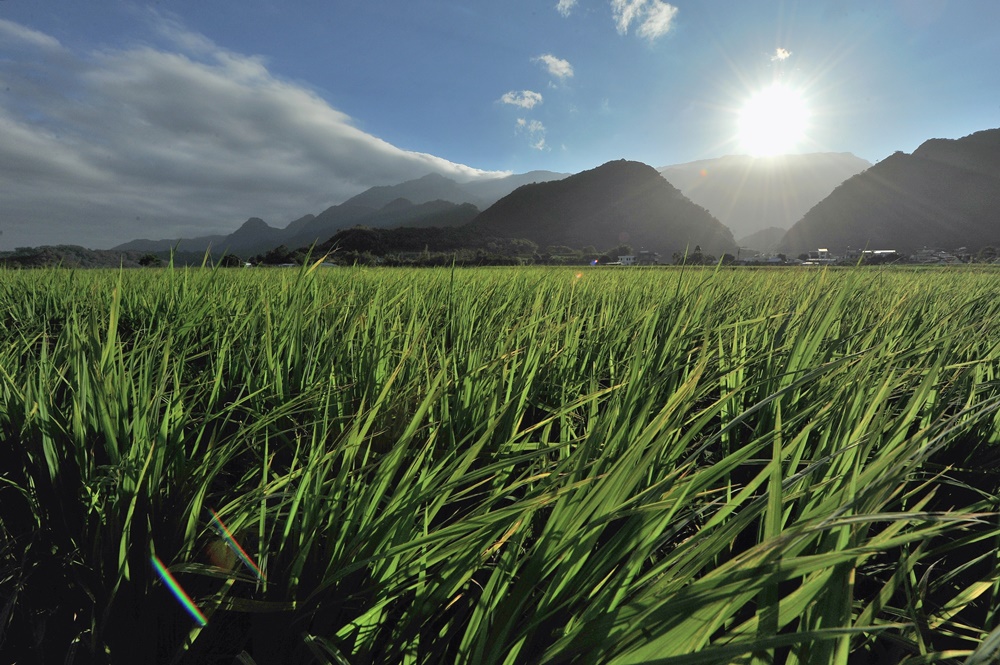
[[102, 147], [14, 33], [654, 17]]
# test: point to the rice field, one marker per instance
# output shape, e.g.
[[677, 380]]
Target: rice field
[[500, 466]]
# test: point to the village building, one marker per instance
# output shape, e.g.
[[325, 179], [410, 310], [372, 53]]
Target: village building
[[647, 258], [821, 255]]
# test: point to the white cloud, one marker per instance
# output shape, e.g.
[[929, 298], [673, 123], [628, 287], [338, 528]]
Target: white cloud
[[190, 141], [525, 99], [535, 131], [556, 66], [626, 11], [780, 54], [658, 20], [564, 7], [654, 17], [15, 32]]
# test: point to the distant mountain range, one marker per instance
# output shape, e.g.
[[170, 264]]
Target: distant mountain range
[[619, 202], [946, 194], [746, 194], [433, 200], [749, 194], [432, 187]]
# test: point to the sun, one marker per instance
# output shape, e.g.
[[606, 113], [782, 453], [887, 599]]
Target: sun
[[773, 121]]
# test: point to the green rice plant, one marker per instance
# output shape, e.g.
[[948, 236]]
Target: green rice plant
[[499, 465]]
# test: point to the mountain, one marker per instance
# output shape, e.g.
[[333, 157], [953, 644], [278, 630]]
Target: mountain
[[619, 202], [749, 194], [432, 187], [71, 256], [325, 224], [256, 236], [198, 245], [490, 191], [946, 195], [252, 234], [398, 212], [432, 200], [765, 240]]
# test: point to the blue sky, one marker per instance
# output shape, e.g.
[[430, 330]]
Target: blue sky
[[126, 119]]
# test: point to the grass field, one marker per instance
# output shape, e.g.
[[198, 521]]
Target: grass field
[[500, 465]]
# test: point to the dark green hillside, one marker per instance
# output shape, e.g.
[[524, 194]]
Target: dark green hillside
[[460, 242], [402, 212], [946, 194], [619, 202]]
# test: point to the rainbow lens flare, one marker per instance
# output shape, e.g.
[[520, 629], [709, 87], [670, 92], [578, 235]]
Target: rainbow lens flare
[[223, 532], [179, 592]]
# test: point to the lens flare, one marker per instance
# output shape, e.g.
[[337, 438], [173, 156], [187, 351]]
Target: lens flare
[[179, 593], [226, 536]]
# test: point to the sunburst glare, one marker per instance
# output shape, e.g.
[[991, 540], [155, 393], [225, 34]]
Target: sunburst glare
[[773, 121]]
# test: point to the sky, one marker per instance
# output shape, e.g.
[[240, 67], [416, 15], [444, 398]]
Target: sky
[[122, 119]]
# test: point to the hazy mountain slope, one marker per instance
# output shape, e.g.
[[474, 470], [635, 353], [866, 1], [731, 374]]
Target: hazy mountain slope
[[180, 244], [946, 194], [399, 212], [328, 222], [618, 202], [256, 236], [444, 198], [442, 217], [254, 233], [432, 187], [298, 224], [749, 194], [765, 240], [402, 212], [70, 256], [490, 191]]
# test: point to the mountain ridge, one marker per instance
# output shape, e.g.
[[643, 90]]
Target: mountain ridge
[[945, 194], [426, 196], [618, 202]]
